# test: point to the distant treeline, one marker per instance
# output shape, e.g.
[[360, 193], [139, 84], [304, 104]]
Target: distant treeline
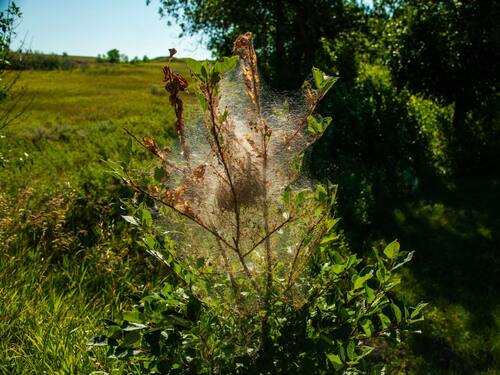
[[42, 61], [50, 61]]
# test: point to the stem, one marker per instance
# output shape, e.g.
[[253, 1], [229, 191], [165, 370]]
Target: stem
[[163, 159], [226, 167], [236, 208], [299, 248], [289, 220], [312, 108], [244, 48], [193, 219], [234, 285]]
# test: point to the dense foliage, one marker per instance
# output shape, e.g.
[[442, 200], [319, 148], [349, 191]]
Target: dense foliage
[[449, 50], [446, 50]]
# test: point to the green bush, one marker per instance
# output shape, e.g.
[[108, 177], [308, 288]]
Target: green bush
[[385, 145], [348, 312], [261, 280]]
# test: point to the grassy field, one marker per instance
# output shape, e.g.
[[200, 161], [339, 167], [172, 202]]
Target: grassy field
[[68, 259]]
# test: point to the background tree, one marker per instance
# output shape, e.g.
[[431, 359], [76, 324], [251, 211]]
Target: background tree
[[8, 18], [447, 49], [284, 30], [113, 56], [8, 22]]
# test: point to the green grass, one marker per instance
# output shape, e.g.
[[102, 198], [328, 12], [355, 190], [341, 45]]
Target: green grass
[[98, 93], [69, 260], [455, 235]]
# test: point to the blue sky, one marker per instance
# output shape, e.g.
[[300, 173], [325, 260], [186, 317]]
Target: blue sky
[[91, 27]]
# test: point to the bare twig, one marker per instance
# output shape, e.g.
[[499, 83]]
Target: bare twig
[[277, 228], [222, 159], [164, 160], [193, 219], [301, 245]]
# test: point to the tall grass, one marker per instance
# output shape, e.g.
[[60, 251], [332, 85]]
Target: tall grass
[[67, 259]]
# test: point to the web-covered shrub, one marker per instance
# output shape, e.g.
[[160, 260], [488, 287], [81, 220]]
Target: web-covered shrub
[[263, 283]]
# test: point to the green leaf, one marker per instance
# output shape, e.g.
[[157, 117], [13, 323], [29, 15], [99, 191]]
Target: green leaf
[[312, 124], [322, 81], [132, 316], [366, 350], [317, 124], [150, 242], [299, 198], [338, 268], [367, 327], [351, 350], [131, 326], [384, 320], [381, 274], [130, 219], [200, 262], [408, 258], [222, 117], [131, 338], [397, 312], [287, 194], [361, 280], [204, 72], [202, 100], [330, 238], [115, 332], [417, 310], [297, 162], [341, 350], [226, 64], [159, 174], [328, 83], [194, 66], [126, 152], [370, 294], [102, 341], [321, 193], [318, 76], [167, 289], [214, 78], [391, 251], [146, 218], [330, 223], [334, 359]]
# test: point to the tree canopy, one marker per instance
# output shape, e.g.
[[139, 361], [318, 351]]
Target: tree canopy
[[285, 31]]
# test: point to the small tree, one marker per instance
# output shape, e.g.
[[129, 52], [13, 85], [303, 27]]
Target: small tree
[[14, 110], [263, 285], [113, 56]]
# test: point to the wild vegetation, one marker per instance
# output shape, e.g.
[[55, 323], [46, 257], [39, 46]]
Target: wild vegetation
[[403, 167], [267, 286]]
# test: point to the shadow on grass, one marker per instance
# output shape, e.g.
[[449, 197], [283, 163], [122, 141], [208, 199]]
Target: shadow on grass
[[456, 238]]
